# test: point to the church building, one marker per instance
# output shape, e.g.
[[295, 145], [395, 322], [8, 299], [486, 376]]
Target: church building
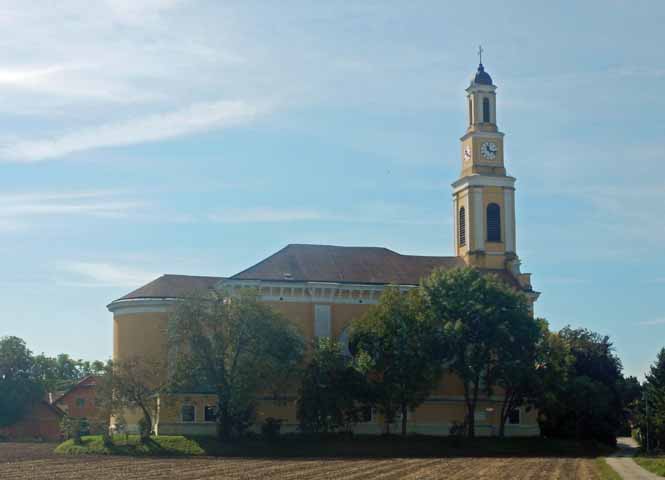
[[322, 288]]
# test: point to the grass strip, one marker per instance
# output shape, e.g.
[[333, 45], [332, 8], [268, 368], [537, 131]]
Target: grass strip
[[605, 472], [653, 464]]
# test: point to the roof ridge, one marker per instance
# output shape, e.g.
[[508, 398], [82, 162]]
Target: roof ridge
[[262, 261]]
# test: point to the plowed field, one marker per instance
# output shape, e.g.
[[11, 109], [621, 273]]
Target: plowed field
[[37, 462]]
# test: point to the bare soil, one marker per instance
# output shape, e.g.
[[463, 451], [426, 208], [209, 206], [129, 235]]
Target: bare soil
[[38, 462]]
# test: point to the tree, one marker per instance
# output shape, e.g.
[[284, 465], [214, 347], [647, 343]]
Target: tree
[[475, 313], [233, 346], [331, 391], [654, 391], [19, 386], [62, 372], [516, 365], [588, 403], [133, 383], [398, 343]]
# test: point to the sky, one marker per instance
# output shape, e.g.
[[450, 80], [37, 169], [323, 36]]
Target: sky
[[198, 137]]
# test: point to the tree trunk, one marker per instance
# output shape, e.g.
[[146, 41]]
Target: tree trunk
[[506, 406], [404, 419], [145, 433], [471, 402], [223, 420]]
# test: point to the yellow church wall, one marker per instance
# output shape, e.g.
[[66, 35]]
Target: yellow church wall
[[140, 334], [300, 314]]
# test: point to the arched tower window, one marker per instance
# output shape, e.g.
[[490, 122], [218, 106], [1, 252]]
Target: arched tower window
[[486, 110], [461, 225], [493, 223]]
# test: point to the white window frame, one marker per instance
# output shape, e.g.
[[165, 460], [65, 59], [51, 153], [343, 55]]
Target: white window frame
[[182, 418]]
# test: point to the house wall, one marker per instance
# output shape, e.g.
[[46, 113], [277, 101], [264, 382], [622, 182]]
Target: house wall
[[69, 402], [40, 421]]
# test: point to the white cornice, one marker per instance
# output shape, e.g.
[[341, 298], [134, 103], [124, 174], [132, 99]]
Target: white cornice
[[481, 133], [483, 181], [140, 305]]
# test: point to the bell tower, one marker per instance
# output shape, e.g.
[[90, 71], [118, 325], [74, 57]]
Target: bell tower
[[484, 195]]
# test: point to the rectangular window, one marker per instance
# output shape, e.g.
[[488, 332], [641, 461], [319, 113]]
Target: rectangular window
[[321, 321], [188, 413], [210, 413], [514, 417], [80, 402]]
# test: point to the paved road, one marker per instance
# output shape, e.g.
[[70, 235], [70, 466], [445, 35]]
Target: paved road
[[625, 466]]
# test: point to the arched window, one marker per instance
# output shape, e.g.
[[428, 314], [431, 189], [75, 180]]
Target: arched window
[[486, 110], [493, 223], [462, 226]]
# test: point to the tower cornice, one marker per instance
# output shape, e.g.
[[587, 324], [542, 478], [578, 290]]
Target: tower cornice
[[481, 133], [471, 181]]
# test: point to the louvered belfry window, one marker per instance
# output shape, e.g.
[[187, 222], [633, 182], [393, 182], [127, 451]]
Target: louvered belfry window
[[486, 110], [462, 226], [493, 223]]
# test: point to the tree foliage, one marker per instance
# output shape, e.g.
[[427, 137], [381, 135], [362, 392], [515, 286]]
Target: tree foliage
[[586, 401], [62, 371], [516, 369], [332, 391], [396, 345], [653, 420], [19, 386], [233, 346], [475, 313]]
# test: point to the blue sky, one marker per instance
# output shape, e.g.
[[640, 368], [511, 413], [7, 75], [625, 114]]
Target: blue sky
[[198, 137]]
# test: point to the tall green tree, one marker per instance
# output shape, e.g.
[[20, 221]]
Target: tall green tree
[[236, 347], [516, 369], [398, 345], [588, 404], [475, 313], [332, 391], [62, 372], [654, 391], [19, 387]]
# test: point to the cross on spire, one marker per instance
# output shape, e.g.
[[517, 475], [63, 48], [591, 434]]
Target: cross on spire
[[480, 54]]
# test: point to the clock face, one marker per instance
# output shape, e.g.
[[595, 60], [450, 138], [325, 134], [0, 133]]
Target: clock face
[[488, 150], [467, 153]]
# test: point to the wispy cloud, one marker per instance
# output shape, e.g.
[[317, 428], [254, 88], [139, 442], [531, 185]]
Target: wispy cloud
[[658, 321], [195, 118], [102, 274], [15, 209]]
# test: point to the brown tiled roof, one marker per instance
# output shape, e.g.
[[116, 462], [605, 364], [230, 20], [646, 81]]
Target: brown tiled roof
[[319, 263], [325, 263], [172, 286]]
